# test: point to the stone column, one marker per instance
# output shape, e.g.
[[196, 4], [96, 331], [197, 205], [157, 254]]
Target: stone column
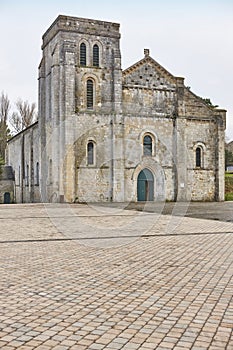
[[42, 131], [68, 123], [31, 167], [54, 143], [181, 161], [220, 155], [117, 80], [118, 161]]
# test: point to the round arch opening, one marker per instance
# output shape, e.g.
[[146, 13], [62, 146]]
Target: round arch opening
[[145, 186]]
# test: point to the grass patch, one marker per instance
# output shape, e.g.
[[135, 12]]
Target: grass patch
[[228, 186], [228, 175], [229, 196]]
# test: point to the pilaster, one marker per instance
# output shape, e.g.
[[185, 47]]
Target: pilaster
[[220, 155]]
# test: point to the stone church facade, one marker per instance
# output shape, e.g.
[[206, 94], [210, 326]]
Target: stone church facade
[[104, 134]]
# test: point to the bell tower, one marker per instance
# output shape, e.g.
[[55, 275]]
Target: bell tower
[[80, 79]]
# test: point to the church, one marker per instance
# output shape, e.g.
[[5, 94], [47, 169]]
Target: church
[[110, 135]]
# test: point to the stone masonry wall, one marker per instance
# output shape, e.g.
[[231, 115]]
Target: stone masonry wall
[[23, 156]]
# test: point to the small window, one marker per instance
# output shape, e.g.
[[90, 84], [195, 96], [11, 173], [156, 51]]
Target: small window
[[198, 157], [147, 146], [50, 171], [83, 55], [96, 55], [37, 174], [19, 176], [27, 176], [90, 89], [90, 153]]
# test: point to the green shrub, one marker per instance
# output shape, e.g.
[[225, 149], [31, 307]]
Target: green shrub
[[229, 196]]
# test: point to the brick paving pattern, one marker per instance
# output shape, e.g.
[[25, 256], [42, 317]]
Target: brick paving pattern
[[169, 288]]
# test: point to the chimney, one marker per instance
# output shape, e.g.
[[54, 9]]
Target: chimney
[[146, 52]]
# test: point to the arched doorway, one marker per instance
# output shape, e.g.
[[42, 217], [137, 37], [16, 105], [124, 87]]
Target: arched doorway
[[7, 198], [145, 186]]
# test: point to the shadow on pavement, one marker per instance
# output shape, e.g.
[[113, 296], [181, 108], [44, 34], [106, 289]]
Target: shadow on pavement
[[222, 211]]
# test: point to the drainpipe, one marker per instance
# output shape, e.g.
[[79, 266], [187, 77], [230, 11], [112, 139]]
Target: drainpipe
[[111, 160], [174, 158], [22, 169], [111, 128]]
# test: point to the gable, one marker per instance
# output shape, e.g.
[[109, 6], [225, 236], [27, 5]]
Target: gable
[[148, 73], [194, 105]]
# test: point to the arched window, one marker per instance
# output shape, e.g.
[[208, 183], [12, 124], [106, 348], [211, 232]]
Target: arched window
[[27, 175], [147, 145], [83, 55], [50, 171], [90, 94], [198, 157], [37, 174], [96, 55], [90, 153]]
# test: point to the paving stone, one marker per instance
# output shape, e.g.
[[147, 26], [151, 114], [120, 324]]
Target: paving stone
[[131, 346], [96, 346]]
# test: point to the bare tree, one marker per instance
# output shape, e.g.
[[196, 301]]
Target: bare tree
[[16, 122], [4, 107], [4, 116], [24, 116]]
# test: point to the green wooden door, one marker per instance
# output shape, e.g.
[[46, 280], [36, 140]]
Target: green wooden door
[[7, 198], [145, 186]]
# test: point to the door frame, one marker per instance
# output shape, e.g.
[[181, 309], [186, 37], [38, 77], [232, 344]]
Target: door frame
[[7, 198], [146, 186]]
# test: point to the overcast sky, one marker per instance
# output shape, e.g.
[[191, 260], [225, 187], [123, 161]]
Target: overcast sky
[[192, 39]]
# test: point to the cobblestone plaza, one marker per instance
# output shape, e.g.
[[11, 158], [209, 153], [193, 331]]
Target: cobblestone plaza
[[91, 277]]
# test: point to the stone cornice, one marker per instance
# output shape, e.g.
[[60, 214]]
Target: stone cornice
[[142, 87], [81, 26]]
